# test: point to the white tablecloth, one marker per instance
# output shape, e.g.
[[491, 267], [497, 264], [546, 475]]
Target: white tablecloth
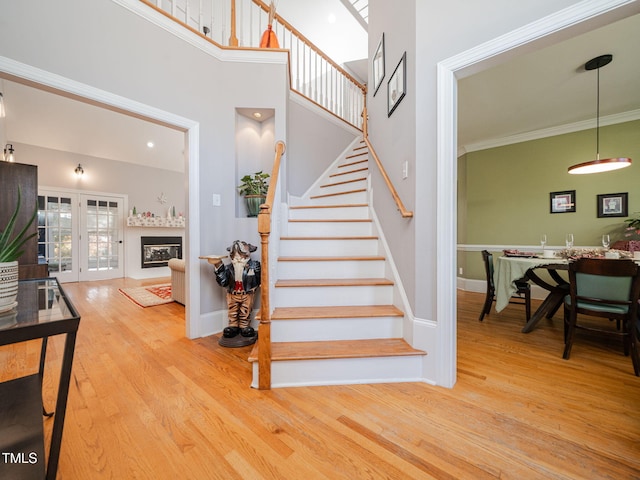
[[509, 269]]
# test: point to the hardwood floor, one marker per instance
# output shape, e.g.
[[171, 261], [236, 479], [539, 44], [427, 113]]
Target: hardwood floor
[[147, 403]]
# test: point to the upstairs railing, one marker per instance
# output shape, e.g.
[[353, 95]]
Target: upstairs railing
[[241, 23], [268, 221]]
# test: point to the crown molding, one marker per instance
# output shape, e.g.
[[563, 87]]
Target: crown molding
[[550, 132]]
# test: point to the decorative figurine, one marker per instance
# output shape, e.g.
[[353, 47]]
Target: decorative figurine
[[241, 278]]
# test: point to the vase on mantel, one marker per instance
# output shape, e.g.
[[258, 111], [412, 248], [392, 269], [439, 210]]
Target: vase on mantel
[[8, 285]]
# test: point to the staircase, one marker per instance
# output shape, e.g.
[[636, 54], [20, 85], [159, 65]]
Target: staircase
[[334, 318]]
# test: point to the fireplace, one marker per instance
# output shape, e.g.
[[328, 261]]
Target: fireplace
[[157, 251]]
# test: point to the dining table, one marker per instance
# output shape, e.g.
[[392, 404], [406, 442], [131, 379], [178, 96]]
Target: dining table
[[508, 269]]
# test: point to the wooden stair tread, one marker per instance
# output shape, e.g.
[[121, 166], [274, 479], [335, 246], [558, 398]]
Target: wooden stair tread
[[339, 193], [333, 282], [335, 184], [350, 164], [330, 258], [387, 347], [330, 220], [363, 237], [357, 170], [356, 155], [338, 312], [338, 205]]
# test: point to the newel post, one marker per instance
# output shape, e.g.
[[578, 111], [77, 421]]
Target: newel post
[[264, 336]]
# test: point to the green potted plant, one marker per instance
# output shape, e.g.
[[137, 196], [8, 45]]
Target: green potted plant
[[11, 248], [632, 232], [254, 188]]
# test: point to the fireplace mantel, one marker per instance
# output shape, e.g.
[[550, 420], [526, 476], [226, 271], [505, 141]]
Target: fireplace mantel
[[173, 222]]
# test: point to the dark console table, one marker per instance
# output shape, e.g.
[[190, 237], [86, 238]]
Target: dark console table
[[43, 311]]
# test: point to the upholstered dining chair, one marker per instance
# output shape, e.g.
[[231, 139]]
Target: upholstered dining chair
[[605, 288], [523, 289]]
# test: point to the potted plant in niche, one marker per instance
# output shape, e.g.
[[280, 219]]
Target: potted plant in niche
[[10, 251], [254, 188]]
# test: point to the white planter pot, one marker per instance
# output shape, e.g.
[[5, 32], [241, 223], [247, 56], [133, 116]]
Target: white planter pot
[[8, 285]]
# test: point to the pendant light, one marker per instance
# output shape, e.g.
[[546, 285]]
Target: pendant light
[[606, 164]]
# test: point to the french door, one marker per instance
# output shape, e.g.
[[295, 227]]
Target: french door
[[80, 235]]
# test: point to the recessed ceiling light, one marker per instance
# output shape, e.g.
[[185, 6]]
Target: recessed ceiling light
[[257, 114], [150, 144], [331, 18]]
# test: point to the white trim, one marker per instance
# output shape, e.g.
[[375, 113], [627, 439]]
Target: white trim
[[192, 160], [551, 132], [249, 55], [446, 163]]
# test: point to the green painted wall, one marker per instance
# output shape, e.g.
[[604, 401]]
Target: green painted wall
[[503, 195]]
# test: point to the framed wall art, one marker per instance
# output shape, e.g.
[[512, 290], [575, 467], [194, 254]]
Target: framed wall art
[[397, 85], [612, 205], [563, 202], [377, 66]]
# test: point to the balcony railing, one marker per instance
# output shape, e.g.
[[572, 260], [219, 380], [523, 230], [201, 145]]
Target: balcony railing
[[241, 23]]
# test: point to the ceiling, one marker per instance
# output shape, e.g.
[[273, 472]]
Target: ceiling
[[540, 90], [550, 88]]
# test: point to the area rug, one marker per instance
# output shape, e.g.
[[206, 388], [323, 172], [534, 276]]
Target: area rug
[[149, 296]]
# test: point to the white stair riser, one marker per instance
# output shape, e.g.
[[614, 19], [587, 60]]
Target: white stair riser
[[312, 229], [358, 197], [328, 187], [332, 269], [326, 329], [337, 247], [346, 177], [352, 163], [332, 296], [343, 371], [329, 213]]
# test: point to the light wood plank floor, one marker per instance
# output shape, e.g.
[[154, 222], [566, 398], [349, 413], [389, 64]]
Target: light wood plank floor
[[147, 403]]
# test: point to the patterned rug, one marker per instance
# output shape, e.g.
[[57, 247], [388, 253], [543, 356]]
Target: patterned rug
[[149, 296]]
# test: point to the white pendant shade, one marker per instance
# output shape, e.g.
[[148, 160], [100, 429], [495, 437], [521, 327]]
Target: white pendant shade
[[600, 165], [606, 164]]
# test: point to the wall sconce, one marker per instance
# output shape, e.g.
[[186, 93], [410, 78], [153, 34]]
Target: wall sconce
[[8, 153], [79, 171]]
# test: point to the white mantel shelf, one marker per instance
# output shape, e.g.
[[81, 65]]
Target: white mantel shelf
[[173, 222]]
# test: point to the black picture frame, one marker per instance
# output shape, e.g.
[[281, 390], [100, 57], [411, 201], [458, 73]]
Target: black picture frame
[[613, 205], [377, 66], [397, 85], [562, 202]]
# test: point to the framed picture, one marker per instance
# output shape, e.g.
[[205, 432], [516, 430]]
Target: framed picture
[[612, 205], [377, 66], [563, 202], [397, 85]]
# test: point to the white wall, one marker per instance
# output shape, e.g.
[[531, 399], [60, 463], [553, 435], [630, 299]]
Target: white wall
[[433, 33], [315, 141], [103, 45], [140, 185]]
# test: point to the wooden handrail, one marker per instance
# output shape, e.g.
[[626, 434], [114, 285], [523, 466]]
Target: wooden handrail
[[264, 229], [396, 198]]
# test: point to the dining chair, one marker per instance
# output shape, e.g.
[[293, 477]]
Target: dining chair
[[608, 289], [523, 289]]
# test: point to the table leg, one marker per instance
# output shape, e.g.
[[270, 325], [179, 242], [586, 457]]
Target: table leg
[[547, 309], [552, 303], [61, 406]]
